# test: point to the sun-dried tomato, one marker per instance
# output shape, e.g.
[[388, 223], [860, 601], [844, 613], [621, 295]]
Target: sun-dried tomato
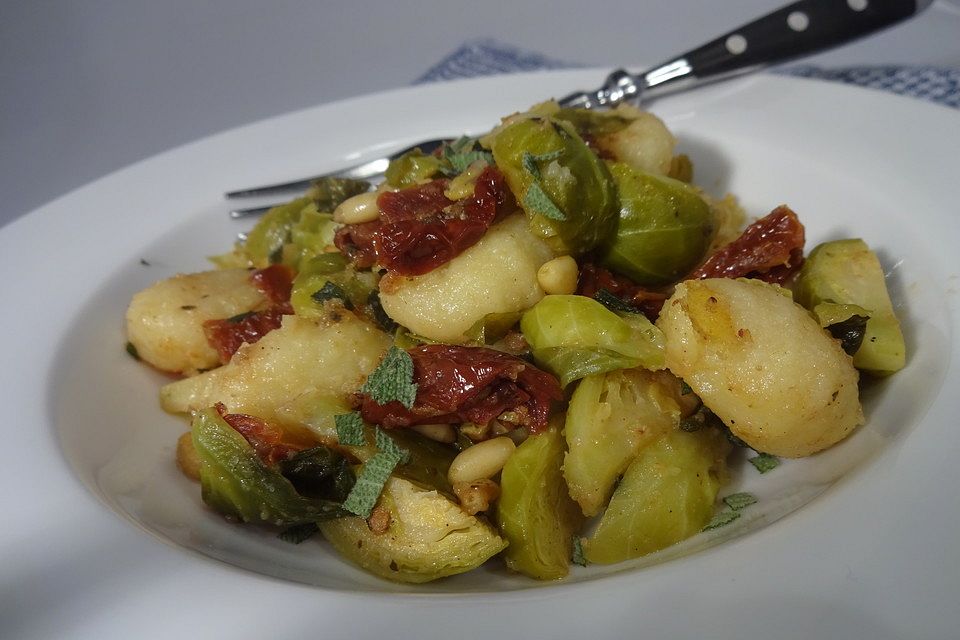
[[420, 228], [355, 241], [275, 282], [227, 335], [458, 384], [770, 249], [593, 278], [265, 438]]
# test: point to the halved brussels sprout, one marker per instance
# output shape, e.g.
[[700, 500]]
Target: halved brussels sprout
[[564, 188], [535, 512], [576, 336], [847, 272], [428, 536], [236, 483], [412, 167], [666, 495], [327, 276], [664, 228], [264, 244], [610, 419]]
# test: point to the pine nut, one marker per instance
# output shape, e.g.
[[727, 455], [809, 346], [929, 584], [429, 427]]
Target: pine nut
[[482, 460], [359, 208], [558, 276]]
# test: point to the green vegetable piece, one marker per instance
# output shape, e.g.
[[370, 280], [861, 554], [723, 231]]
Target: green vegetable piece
[[593, 124], [462, 153], [847, 272], [327, 193], [299, 533], [564, 188], [576, 336], [492, 327], [373, 477], [236, 483], [325, 277], [720, 519], [429, 460], [664, 228], [535, 512], [429, 536], [765, 462], [392, 380], [411, 168], [378, 314], [576, 556], [849, 332], [319, 472], [310, 236], [386, 444], [738, 501], [264, 244], [611, 418], [349, 429], [666, 495]]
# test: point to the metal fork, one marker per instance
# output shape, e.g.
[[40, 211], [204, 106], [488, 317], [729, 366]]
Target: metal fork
[[797, 29]]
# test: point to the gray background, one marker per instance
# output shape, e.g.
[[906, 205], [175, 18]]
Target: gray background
[[87, 87]]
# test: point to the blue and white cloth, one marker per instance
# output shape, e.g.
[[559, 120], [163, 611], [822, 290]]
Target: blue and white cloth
[[489, 57]]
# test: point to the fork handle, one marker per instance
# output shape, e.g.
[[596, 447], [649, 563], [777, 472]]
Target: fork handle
[[797, 29]]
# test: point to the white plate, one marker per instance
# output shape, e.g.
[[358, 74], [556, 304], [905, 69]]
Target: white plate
[[871, 553]]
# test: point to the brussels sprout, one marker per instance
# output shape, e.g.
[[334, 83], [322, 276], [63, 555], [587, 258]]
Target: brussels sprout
[[265, 241], [666, 495], [611, 417], [575, 336], [310, 236], [236, 483], [535, 512], [329, 276], [327, 193], [564, 188], [847, 272], [429, 460], [411, 168], [664, 229], [428, 536]]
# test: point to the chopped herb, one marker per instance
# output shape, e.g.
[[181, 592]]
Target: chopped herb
[[612, 302], [850, 333], [721, 518], [329, 192], [132, 350], [240, 317], [376, 471], [331, 291], [320, 472], [188, 307], [738, 501], [392, 380], [577, 557], [144, 262], [702, 418], [298, 533], [349, 429], [537, 200], [386, 444], [380, 316], [462, 153], [685, 389], [765, 462]]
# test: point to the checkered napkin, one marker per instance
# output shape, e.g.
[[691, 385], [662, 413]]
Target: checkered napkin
[[489, 57]]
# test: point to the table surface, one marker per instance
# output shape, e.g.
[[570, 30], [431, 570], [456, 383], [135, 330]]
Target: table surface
[[90, 87]]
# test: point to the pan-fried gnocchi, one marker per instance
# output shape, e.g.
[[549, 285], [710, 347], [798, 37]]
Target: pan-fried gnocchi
[[496, 275], [165, 320], [763, 364]]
